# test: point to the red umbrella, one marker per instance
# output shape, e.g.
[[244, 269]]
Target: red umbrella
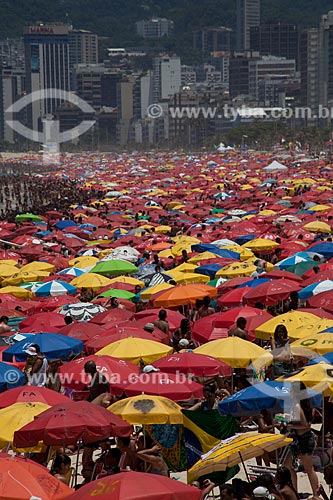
[[205, 329], [323, 300], [321, 313], [233, 283], [326, 266], [137, 486], [31, 395], [323, 275], [118, 333], [81, 331], [23, 479], [234, 298], [51, 303], [175, 387], [112, 316], [73, 376], [271, 292], [283, 275], [228, 318], [199, 365], [66, 423], [43, 321]]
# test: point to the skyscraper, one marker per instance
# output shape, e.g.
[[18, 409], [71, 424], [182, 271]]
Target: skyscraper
[[167, 77], [309, 67], [248, 15], [83, 47], [276, 39], [326, 60], [47, 66]]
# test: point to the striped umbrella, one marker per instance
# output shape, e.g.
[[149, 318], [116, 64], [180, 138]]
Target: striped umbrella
[[55, 288]]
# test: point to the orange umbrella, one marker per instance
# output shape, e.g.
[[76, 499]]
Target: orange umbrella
[[184, 294], [23, 479]]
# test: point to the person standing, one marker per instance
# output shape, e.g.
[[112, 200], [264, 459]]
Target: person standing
[[36, 367]]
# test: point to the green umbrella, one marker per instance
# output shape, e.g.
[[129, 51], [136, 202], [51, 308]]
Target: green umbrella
[[216, 282], [114, 267], [218, 211], [120, 294], [300, 268], [26, 217], [31, 285]]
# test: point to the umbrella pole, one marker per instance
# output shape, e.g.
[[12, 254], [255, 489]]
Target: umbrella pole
[[323, 427], [243, 464], [77, 463]]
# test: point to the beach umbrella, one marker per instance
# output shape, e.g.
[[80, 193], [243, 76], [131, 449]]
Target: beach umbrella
[[55, 288], [91, 280], [144, 409], [113, 369], [10, 377], [36, 267], [81, 331], [236, 270], [184, 294], [148, 292], [23, 479], [318, 377], [120, 294], [270, 293], [67, 423], [160, 384], [154, 279], [71, 271], [315, 289], [112, 316], [31, 394], [228, 318], [190, 363], [235, 450], [311, 329], [16, 291], [260, 244], [236, 352], [269, 395], [317, 227], [137, 486], [52, 345], [320, 343], [43, 322], [134, 350], [82, 311], [28, 217], [292, 320], [83, 262], [114, 267], [16, 416]]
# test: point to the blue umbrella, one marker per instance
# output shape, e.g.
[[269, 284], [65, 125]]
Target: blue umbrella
[[254, 283], [55, 288], [327, 358], [315, 289], [209, 270], [221, 252], [325, 249], [240, 240], [54, 346], [270, 395], [10, 377], [63, 224]]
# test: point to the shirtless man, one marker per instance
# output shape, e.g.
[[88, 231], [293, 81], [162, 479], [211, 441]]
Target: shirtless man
[[162, 322]]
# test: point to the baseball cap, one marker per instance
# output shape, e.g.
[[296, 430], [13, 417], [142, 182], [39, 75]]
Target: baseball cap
[[260, 492], [150, 369], [31, 351], [149, 327], [183, 343]]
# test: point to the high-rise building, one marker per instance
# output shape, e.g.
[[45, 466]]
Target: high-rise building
[[239, 69], [46, 65], [88, 83], [83, 47], [12, 87], [275, 39], [212, 39], [269, 69], [248, 16], [155, 28], [309, 68], [326, 60], [167, 77]]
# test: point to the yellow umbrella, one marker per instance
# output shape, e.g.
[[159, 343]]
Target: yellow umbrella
[[15, 417], [140, 410], [320, 208], [236, 269], [127, 279], [84, 261], [260, 244], [202, 256], [24, 277], [318, 377], [38, 266], [183, 268], [6, 271], [8, 262], [188, 278], [91, 280], [292, 321], [308, 329], [321, 343], [235, 450], [317, 227], [135, 349], [244, 253], [178, 248], [20, 293], [236, 352], [162, 229], [146, 294], [191, 240]]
